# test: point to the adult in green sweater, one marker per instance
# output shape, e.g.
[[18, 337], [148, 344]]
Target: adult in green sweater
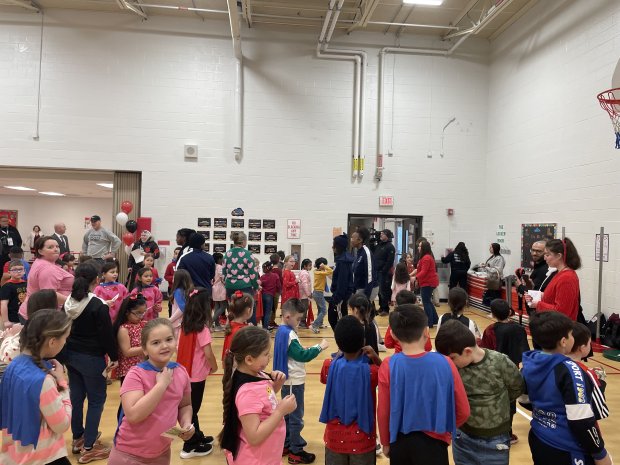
[[492, 382], [239, 272]]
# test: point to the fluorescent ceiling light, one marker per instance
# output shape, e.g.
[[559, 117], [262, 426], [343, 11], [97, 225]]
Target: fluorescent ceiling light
[[107, 185], [55, 194], [20, 188], [424, 2]]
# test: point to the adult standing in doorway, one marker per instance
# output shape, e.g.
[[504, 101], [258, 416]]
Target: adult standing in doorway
[[562, 293], [199, 264], [342, 280], [45, 274], [364, 270], [99, 243], [146, 244], [59, 235], [459, 265], [9, 237], [34, 236], [183, 236], [428, 280], [384, 261]]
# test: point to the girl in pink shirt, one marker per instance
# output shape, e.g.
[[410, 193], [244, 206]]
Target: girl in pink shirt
[[155, 395], [401, 280], [111, 291], [151, 294], [196, 355], [128, 331], [34, 396], [254, 428], [219, 291]]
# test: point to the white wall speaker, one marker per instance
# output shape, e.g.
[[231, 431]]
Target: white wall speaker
[[191, 152]]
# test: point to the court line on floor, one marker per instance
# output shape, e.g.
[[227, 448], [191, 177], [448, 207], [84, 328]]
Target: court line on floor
[[522, 413], [610, 366]]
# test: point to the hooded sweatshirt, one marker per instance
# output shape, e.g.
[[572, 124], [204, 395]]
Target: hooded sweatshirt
[[565, 404], [91, 332], [99, 242], [342, 279]]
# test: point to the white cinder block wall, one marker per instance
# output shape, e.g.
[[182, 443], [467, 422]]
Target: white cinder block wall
[[120, 94], [550, 145]]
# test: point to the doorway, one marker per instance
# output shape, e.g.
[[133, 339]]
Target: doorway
[[406, 230]]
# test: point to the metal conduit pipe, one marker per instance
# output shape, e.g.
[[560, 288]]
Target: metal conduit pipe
[[428, 26], [334, 21], [328, 17], [236, 37], [176, 7]]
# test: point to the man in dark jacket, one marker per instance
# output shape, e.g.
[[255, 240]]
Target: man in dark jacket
[[384, 261], [198, 263], [342, 280], [364, 269], [9, 237]]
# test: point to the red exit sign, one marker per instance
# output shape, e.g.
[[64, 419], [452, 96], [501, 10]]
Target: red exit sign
[[386, 200]]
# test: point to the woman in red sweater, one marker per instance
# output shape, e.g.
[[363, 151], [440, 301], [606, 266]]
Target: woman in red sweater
[[428, 280], [562, 293], [290, 283]]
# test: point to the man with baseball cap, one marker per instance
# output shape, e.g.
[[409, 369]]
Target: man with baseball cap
[[99, 243]]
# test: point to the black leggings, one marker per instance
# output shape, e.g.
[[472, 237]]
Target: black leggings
[[60, 461], [332, 313], [198, 390], [458, 277], [417, 448]]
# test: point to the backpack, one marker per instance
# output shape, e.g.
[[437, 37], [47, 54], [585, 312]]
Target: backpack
[[611, 336]]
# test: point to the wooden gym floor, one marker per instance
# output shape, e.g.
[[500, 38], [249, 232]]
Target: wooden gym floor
[[211, 411]]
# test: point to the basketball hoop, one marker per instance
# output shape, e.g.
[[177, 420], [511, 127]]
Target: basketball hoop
[[610, 101]]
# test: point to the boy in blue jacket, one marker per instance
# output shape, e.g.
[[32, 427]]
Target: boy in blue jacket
[[565, 402]]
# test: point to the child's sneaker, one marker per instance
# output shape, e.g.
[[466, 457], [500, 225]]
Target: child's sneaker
[[285, 451], [78, 444], [97, 452], [314, 329], [199, 450], [301, 457], [513, 439]]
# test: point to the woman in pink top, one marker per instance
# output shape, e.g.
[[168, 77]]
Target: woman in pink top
[[45, 274], [254, 427], [196, 355]]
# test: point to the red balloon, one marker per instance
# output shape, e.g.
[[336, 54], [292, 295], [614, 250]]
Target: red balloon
[[126, 206], [128, 238]]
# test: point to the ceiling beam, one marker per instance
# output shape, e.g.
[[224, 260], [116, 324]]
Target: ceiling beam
[[137, 9], [246, 10], [29, 5], [368, 7], [463, 12], [289, 5], [524, 9]]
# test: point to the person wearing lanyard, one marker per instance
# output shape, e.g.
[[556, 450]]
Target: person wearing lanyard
[[9, 237]]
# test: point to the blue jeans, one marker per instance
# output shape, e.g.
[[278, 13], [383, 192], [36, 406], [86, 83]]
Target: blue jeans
[[321, 304], [86, 382], [267, 308], [476, 450], [295, 420], [220, 308], [427, 300]]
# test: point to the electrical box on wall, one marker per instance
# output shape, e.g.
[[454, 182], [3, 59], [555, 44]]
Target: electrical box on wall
[[191, 152]]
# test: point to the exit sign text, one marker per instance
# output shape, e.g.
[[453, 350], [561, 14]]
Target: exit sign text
[[386, 200]]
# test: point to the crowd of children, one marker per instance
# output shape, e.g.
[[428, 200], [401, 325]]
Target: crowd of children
[[411, 405]]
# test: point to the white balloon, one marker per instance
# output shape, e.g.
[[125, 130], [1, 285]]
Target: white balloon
[[122, 218]]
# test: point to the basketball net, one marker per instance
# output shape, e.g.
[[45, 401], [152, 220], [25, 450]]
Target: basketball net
[[610, 102]]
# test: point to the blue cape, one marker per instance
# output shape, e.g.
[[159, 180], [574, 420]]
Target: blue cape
[[349, 405], [148, 366], [20, 393], [111, 283], [280, 349]]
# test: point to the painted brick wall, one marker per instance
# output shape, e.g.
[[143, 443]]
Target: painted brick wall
[[550, 145], [119, 94]]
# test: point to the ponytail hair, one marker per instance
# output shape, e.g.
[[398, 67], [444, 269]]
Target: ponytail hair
[[239, 302], [85, 274], [252, 341], [568, 250], [361, 303], [457, 300], [43, 325]]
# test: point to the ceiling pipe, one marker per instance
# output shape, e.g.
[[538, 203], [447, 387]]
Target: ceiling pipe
[[333, 25], [233, 15], [428, 26], [176, 7], [133, 7], [483, 22], [28, 5], [328, 17]]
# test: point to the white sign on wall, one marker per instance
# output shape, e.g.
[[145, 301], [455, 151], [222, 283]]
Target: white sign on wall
[[293, 229], [597, 248]]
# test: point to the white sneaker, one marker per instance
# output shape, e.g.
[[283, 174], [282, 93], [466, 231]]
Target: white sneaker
[[381, 348], [379, 449]]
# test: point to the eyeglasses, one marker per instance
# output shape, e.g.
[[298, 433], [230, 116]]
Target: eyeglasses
[[139, 315], [16, 270], [536, 251]]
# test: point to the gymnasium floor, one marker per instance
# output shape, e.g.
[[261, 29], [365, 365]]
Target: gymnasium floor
[[211, 412]]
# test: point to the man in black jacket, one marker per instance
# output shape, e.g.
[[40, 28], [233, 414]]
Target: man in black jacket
[[384, 261], [9, 237], [538, 280]]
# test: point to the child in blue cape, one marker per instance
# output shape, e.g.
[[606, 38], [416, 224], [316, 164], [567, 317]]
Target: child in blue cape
[[290, 357]]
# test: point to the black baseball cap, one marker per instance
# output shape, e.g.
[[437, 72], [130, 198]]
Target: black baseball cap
[[95, 218]]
